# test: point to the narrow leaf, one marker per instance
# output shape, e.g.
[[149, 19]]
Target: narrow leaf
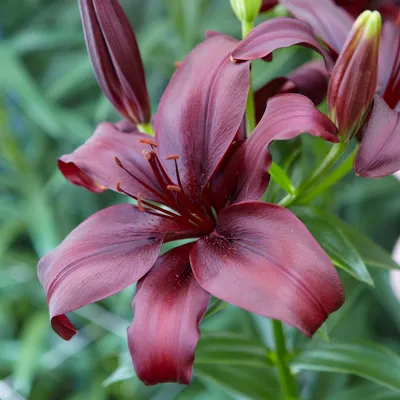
[[335, 242], [375, 363]]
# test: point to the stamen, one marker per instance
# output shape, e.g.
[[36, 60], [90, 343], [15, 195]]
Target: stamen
[[119, 163], [177, 64], [145, 185], [172, 157], [148, 141], [174, 188], [232, 59], [140, 203]]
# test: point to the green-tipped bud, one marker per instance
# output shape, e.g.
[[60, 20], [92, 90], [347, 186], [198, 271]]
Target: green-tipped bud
[[246, 10], [354, 77]]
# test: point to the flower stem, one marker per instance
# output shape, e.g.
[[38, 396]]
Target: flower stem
[[287, 381], [146, 128], [330, 159], [247, 26], [330, 179]]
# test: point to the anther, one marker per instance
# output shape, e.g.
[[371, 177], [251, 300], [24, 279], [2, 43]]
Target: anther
[[118, 161], [118, 186], [140, 203], [174, 188], [148, 141], [232, 59], [177, 64], [172, 157], [147, 154]]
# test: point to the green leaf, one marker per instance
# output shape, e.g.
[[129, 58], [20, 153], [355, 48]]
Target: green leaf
[[375, 363], [236, 364], [216, 306], [33, 337], [281, 178], [335, 242], [366, 392], [249, 383], [122, 373], [231, 349]]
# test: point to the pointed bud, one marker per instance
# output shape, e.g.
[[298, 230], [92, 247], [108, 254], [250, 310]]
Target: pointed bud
[[353, 81], [246, 10], [115, 58]]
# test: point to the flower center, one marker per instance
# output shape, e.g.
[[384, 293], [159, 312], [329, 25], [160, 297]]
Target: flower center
[[173, 203]]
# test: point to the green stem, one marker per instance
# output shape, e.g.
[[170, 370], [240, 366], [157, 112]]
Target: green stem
[[247, 26], [330, 159], [286, 379], [146, 128], [330, 179]]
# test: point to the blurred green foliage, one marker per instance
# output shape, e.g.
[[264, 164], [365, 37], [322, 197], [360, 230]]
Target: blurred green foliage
[[49, 104]]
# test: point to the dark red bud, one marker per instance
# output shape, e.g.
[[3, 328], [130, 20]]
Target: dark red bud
[[353, 82], [116, 59]]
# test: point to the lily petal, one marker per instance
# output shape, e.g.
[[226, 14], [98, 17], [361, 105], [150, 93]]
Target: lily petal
[[274, 34], [116, 58], [93, 164], [310, 80], [379, 152], [389, 64], [201, 111], [106, 253], [246, 176], [328, 21], [168, 307], [263, 259], [267, 5]]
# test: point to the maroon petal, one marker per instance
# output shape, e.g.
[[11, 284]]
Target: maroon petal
[[328, 21], [201, 111], [389, 64], [263, 259], [286, 116], [106, 253], [116, 58], [267, 5], [93, 164], [168, 307], [310, 80], [274, 34], [379, 152]]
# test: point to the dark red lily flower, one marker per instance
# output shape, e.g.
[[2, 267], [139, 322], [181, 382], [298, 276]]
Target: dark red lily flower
[[116, 58], [379, 151], [193, 180]]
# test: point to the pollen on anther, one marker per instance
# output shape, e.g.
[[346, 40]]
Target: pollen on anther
[[148, 141], [139, 202], [147, 154], [118, 186], [174, 188], [172, 157]]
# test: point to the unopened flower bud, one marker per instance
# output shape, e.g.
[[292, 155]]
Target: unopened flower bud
[[246, 10], [353, 81], [116, 58]]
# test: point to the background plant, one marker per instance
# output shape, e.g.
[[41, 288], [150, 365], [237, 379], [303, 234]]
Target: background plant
[[49, 104]]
